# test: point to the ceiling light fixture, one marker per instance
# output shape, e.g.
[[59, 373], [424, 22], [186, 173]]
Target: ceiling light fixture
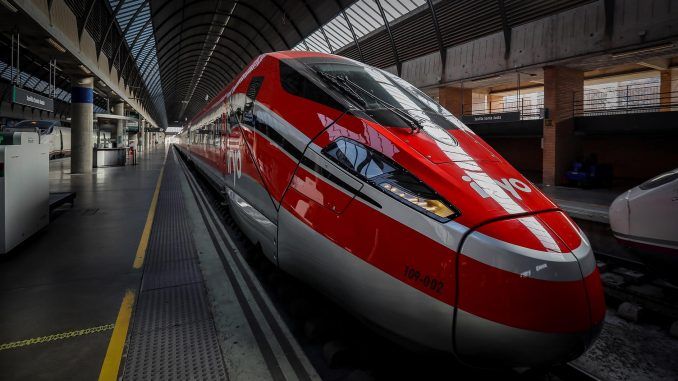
[[650, 49], [486, 78], [9, 6], [55, 45]]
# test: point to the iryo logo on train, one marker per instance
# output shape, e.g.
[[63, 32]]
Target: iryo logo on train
[[234, 163]]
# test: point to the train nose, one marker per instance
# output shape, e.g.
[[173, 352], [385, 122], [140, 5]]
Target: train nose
[[529, 292]]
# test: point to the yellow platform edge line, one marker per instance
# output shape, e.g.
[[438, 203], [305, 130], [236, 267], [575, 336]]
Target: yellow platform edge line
[[111, 364], [143, 243], [116, 346]]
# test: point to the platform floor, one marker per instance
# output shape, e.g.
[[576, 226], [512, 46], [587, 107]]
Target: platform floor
[[62, 289], [139, 280]]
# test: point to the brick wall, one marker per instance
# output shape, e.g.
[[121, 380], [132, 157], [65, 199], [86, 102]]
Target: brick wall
[[634, 159], [452, 98], [562, 88], [523, 153]]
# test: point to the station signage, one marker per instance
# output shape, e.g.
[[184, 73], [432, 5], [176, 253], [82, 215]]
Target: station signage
[[492, 118], [31, 99]]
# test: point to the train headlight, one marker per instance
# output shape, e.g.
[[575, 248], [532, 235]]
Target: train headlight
[[389, 177], [433, 206]]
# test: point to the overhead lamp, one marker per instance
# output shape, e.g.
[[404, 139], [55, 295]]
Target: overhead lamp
[[9, 6], [525, 73], [84, 69], [650, 49], [55, 44], [486, 78]]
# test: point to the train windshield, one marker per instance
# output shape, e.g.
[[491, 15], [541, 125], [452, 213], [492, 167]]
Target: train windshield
[[374, 87], [383, 96], [660, 180]]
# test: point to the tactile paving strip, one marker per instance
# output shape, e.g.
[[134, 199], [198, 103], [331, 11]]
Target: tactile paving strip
[[185, 352], [173, 336], [171, 306], [170, 274]]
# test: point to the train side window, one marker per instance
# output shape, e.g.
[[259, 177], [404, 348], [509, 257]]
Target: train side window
[[660, 180]]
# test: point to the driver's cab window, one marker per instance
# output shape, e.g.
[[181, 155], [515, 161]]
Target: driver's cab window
[[250, 97]]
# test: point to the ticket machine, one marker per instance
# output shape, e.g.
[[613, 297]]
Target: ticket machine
[[24, 187]]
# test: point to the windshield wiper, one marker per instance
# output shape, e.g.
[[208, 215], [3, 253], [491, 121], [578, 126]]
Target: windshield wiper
[[334, 82], [414, 123]]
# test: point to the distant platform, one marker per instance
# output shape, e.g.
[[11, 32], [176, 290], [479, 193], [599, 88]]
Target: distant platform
[[584, 204]]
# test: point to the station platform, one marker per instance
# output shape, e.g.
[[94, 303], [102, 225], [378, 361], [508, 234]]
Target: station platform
[[583, 204], [139, 280], [61, 289]]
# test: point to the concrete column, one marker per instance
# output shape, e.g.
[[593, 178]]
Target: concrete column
[[562, 88], [141, 134], [82, 115], [147, 141], [665, 90], [119, 130], [456, 100], [674, 89]]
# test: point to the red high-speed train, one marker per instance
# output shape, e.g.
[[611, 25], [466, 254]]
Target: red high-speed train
[[359, 184]]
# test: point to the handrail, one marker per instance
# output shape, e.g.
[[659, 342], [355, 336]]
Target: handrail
[[604, 100]]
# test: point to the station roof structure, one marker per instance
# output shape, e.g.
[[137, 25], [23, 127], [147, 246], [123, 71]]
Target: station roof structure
[[176, 54]]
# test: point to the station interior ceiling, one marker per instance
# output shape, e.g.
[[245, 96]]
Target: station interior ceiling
[[174, 55]]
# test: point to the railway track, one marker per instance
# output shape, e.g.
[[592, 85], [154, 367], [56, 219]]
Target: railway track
[[635, 289], [342, 347]]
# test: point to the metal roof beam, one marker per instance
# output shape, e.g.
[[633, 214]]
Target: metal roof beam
[[83, 23], [110, 25], [315, 18], [355, 38], [439, 37], [506, 28], [160, 42], [390, 36], [124, 32]]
